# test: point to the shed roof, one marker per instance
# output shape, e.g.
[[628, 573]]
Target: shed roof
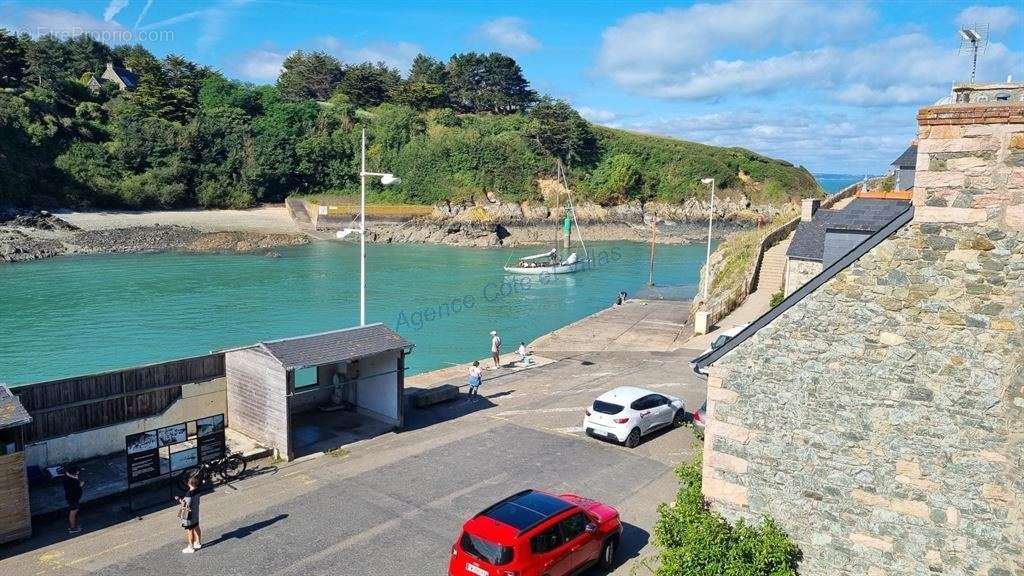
[[908, 159], [12, 413], [860, 215], [336, 346]]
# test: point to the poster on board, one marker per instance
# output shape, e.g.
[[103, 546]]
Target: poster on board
[[183, 459], [141, 442], [210, 425], [172, 434]]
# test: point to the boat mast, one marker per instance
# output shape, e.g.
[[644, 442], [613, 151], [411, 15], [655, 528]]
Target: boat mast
[[572, 209]]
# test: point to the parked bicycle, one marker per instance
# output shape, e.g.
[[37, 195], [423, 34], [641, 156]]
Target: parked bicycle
[[227, 468]]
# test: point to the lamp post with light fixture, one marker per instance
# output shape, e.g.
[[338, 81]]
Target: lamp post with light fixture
[[386, 179], [707, 263]]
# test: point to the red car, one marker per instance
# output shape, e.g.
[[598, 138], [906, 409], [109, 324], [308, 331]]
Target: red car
[[533, 533]]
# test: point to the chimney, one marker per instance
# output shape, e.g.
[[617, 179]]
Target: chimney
[[807, 209]]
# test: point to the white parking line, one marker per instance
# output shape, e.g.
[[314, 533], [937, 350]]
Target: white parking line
[[541, 411], [568, 430]]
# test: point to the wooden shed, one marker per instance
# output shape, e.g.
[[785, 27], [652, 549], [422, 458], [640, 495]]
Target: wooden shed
[[356, 371], [15, 513]]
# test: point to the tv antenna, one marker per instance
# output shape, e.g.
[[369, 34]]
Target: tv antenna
[[974, 40]]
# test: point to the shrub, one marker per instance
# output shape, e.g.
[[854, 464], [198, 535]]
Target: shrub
[[697, 541], [776, 299]]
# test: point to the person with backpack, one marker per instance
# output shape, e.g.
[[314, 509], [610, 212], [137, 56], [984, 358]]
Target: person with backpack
[[188, 513], [496, 349]]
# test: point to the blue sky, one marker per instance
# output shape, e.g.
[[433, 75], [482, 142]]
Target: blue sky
[[831, 85]]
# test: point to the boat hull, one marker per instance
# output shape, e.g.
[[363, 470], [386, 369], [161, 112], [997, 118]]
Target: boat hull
[[556, 269]]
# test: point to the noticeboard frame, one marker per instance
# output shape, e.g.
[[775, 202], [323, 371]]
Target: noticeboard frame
[[145, 451]]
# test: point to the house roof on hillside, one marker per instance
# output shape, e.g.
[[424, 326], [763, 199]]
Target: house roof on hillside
[[908, 159], [130, 79], [336, 346], [12, 413], [860, 215], [890, 228]]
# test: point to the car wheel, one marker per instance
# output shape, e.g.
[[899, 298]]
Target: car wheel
[[633, 440], [680, 418], [608, 553]]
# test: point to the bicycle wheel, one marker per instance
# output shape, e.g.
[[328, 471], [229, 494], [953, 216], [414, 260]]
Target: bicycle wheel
[[232, 467]]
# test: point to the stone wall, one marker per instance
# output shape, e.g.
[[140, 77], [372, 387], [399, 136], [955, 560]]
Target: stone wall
[[798, 272], [880, 420]]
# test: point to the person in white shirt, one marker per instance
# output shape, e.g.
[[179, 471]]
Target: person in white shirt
[[496, 348]]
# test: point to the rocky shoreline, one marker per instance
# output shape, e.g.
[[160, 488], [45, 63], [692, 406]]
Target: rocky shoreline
[[31, 235], [489, 235]]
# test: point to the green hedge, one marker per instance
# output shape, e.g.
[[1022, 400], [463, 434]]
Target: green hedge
[[696, 541]]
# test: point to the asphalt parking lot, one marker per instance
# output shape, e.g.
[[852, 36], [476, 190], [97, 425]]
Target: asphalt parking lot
[[394, 504]]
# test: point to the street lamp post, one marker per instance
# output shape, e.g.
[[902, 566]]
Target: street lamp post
[[385, 179], [707, 263]]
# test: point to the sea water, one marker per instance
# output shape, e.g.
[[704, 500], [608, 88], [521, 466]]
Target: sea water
[[79, 315]]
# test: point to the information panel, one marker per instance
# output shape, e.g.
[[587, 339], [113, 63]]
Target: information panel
[[172, 449]]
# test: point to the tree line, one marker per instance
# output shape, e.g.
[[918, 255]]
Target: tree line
[[186, 135]]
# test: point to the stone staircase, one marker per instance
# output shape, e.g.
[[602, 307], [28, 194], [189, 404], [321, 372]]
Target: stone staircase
[[773, 268]]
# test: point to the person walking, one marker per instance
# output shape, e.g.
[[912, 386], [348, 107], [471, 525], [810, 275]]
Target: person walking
[[189, 515], [496, 349], [73, 495], [475, 378]]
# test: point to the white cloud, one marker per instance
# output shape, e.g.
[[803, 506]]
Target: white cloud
[[714, 51], [113, 8], [998, 18], [260, 64], [666, 52], [822, 143], [508, 33], [596, 115], [67, 24], [142, 14], [395, 54]]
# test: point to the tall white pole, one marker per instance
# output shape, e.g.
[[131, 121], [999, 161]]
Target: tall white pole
[[362, 233], [707, 262]]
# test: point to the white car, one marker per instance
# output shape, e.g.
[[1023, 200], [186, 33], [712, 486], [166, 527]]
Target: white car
[[627, 413], [723, 337]]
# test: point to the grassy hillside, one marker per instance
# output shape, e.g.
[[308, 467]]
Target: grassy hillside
[[188, 136]]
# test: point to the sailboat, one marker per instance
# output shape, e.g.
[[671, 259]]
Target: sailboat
[[550, 262]]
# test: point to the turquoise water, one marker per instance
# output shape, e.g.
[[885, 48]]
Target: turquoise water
[[832, 183], [78, 315]]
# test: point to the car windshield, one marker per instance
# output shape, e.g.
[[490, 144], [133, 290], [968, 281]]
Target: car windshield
[[493, 554], [606, 407], [720, 341]]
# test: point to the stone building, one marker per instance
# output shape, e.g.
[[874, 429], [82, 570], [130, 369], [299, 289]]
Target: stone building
[[823, 236], [988, 93], [903, 168], [878, 412], [125, 79]]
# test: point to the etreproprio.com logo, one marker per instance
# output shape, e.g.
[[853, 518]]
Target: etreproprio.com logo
[[107, 36]]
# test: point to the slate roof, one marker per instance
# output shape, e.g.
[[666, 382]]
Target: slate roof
[[908, 159], [336, 346], [899, 220], [12, 413], [860, 215], [130, 79]]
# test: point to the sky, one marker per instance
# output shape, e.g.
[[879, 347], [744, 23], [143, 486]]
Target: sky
[[833, 86]]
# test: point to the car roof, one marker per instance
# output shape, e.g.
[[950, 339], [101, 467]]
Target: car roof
[[734, 330], [519, 513], [624, 395]]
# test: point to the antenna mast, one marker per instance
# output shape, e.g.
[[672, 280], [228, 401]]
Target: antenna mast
[[974, 40]]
